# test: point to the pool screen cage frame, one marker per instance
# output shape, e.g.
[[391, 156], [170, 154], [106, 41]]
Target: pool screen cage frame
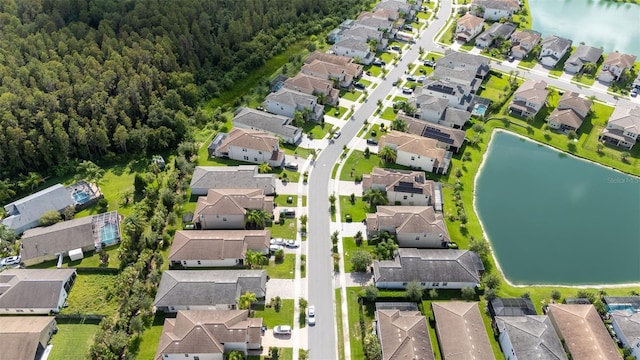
[[98, 222]]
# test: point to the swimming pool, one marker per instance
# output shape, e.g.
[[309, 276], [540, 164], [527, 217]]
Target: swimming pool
[[479, 110], [625, 307], [80, 196], [109, 234]]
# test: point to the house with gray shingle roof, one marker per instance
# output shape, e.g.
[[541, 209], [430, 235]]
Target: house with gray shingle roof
[[584, 54], [35, 291], [209, 334], [286, 102], [529, 337], [614, 66], [623, 127], [459, 60], [433, 269], [242, 177], [207, 289], [571, 112], [216, 248], [459, 95], [25, 213], [410, 188], [495, 31], [626, 325], [226, 208], [495, 10], [365, 34], [275, 125], [553, 49], [460, 330], [356, 49], [248, 145], [403, 335]]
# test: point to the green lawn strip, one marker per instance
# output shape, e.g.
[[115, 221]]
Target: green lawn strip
[[399, 98], [388, 114], [355, 333], [317, 130], [338, 303], [358, 210], [271, 318], [150, 338], [304, 200], [295, 150], [423, 16], [447, 35], [282, 173], [73, 340], [587, 80], [286, 230], [359, 165], [527, 63], [349, 246], [364, 82], [422, 70], [431, 326], [90, 260], [335, 111], [372, 71], [351, 95], [283, 270], [334, 171], [387, 57], [282, 201], [469, 45], [90, 295], [369, 133]]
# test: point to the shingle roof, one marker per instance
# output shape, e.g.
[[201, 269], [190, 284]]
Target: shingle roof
[[32, 288], [243, 176], [275, 124], [428, 265], [526, 36], [555, 43], [626, 116], [429, 102], [572, 100], [329, 58], [404, 335], [250, 139], [566, 117], [532, 337], [583, 331], [427, 129], [461, 332], [455, 59], [466, 75], [399, 181], [20, 336], [498, 29], [408, 220], [470, 21], [413, 144], [208, 287], [620, 60], [292, 98], [232, 202], [629, 325], [29, 209], [533, 91], [217, 244], [60, 237], [511, 5], [206, 332], [455, 116], [584, 54], [354, 44], [361, 33]]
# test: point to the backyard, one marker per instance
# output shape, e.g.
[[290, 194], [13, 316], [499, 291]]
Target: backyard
[[90, 295], [282, 270], [349, 246], [73, 340]]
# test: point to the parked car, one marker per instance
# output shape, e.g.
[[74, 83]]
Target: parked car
[[277, 241], [337, 134], [378, 62], [511, 58], [282, 330], [11, 260], [407, 90], [274, 248], [288, 213], [408, 27], [634, 92], [291, 166], [429, 63], [394, 83], [411, 78], [452, 245], [395, 48], [421, 79], [372, 141], [359, 86], [292, 244], [311, 318]]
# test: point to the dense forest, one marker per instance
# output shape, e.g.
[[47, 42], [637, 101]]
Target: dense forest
[[95, 79]]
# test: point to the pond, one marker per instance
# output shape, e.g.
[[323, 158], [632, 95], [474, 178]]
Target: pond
[[612, 25], [552, 218]]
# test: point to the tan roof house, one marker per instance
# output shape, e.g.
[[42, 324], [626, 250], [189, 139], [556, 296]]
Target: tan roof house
[[614, 65], [403, 335], [523, 41], [461, 332], [623, 127], [248, 145], [468, 27], [417, 152], [582, 331], [529, 98], [216, 248], [571, 112], [330, 71], [209, 334], [414, 226], [353, 69], [405, 187], [25, 337], [313, 86], [447, 137], [226, 208]]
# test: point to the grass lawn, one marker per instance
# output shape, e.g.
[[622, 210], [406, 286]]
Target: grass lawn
[[283, 270], [91, 259], [388, 114], [339, 324], [558, 70], [528, 62], [422, 70], [295, 150], [352, 95], [89, 295], [447, 35], [304, 200], [364, 82], [281, 200], [73, 340], [387, 57], [271, 318], [317, 130], [495, 88], [586, 79], [360, 165], [355, 333], [286, 230], [151, 338], [358, 211], [399, 98], [372, 71], [334, 111], [349, 246], [282, 173]]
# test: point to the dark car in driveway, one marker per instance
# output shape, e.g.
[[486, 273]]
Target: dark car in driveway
[[359, 86], [372, 141]]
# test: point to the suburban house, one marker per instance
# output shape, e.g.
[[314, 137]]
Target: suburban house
[[460, 330], [413, 226], [459, 60], [495, 10], [25, 213], [356, 49], [582, 332], [584, 54], [85, 234], [468, 27], [436, 110], [447, 137], [286, 102], [459, 96], [433, 269], [403, 335], [495, 31], [326, 70], [25, 337], [248, 145], [209, 334], [275, 125], [623, 127], [553, 49], [614, 65], [220, 177], [351, 68], [529, 337], [529, 98], [459, 75], [35, 291], [511, 307], [523, 41], [376, 22], [207, 289], [417, 152], [226, 208], [627, 328], [315, 86], [405, 187], [402, 7], [570, 113], [365, 35], [216, 248]]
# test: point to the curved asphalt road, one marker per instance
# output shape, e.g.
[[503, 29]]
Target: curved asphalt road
[[322, 336]]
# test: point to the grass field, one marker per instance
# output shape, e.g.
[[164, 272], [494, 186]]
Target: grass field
[[357, 164], [271, 318], [151, 338], [90, 260], [281, 201], [286, 230], [318, 131], [352, 95], [355, 333], [283, 270], [339, 324], [89, 295], [73, 340], [358, 210], [388, 114], [349, 246]]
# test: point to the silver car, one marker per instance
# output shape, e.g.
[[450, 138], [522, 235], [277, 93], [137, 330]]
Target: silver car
[[311, 315]]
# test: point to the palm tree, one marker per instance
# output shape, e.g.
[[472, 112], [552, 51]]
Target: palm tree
[[93, 173], [245, 301], [298, 119], [256, 219], [332, 200], [358, 238], [589, 68], [253, 259], [322, 98], [6, 190], [134, 224], [376, 197], [31, 181], [264, 168], [236, 355], [399, 125], [388, 154]]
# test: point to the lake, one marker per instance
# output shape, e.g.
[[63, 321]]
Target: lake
[[552, 218], [614, 26]]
